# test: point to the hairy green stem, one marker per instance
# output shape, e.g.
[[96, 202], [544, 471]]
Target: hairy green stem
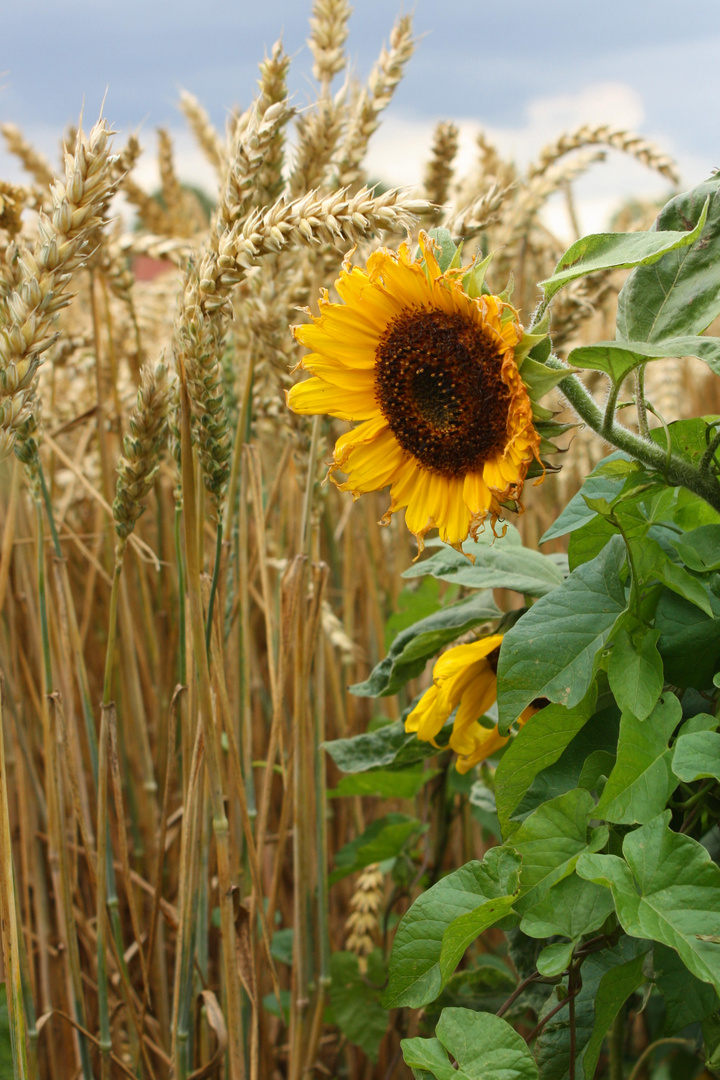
[[677, 472]]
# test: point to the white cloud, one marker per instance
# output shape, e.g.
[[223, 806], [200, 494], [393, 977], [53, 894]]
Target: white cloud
[[400, 149]]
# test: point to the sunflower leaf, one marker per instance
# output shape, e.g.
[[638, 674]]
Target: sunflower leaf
[[538, 745], [504, 564], [615, 251], [697, 755], [413, 647], [666, 889], [641, 780], [483, 891], [485, 1047], [554, 649], [383, 839], [680, 294], [618, 358]]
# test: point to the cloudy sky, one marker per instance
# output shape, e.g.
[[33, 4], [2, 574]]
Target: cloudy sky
[[523, 70]]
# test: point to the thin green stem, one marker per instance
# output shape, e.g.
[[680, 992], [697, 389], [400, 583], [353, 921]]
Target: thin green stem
[[637, 1067]]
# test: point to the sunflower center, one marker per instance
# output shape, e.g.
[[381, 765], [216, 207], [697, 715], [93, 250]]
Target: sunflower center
[[439, 386]]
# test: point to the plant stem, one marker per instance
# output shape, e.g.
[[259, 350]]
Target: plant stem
[[103, 839], [213, 754], [678, 473], [640, 402], [617, 1046], [10, 938], [635, 1074], [214, 584]]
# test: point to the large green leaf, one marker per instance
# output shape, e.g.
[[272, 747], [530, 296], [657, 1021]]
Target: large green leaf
[[387, 783], [700, 548], [680, 294], [614, 989], [697, 755], [589, 755], [415, 969], [550, 841], [538, 745], [571, 909], [484, 1046], [389, 747], [355, 1000], [505, 564], [610, 251], [383, 839], [687, 1000], [552, 651], [635, 668], [642, 780], [618, 358], [667, 889], [684, 632], [413, 647], [577, 512]]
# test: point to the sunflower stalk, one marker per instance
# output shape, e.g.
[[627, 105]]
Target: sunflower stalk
[[678, 473]]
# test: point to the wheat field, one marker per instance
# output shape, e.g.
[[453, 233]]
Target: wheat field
[[184, 599]]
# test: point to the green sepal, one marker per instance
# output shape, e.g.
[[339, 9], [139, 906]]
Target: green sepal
[[474, 281], [531, 340], [506, 294], [446, 250], [540, 379]]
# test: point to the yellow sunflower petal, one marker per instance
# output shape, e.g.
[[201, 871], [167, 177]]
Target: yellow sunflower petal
[[316, 396], [408, 351], [486, 742], [475, 702], [370, 465], [425, 719], [460, 656], [359, 380]]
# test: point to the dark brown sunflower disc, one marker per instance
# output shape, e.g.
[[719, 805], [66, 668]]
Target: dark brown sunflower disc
[[439, 386]]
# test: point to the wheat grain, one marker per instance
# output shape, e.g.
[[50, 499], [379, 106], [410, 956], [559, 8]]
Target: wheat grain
[[64, 242], [32, 160], [143, 447], [440, 168], [207, 137], [373, 99], [618, 138], [328, 34]]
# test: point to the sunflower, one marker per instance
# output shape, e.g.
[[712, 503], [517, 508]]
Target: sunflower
[[430, 374], [464, 678]]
